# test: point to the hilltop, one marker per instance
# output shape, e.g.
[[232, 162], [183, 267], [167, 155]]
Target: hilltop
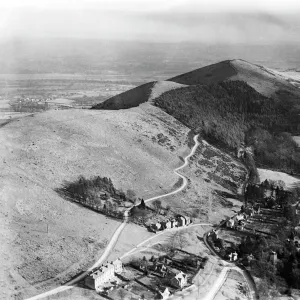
[[264, 80], [232, 103], [267, 82]]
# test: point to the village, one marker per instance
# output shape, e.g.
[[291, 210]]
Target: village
[[263, 235], [146, 278], [163, 273]]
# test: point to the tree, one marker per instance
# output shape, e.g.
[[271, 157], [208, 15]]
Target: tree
[[142, 204], [157, 205], [131, 195], [168, 208], [109, 207]]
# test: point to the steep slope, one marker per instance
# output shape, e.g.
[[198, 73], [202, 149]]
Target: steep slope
[[210, 74], [138, 95], [263, 80]]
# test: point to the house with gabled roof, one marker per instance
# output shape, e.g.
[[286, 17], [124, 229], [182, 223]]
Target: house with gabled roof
[[179, 280], [165, 294]]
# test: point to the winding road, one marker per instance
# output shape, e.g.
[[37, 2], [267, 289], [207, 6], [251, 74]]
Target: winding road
[[119, 230]]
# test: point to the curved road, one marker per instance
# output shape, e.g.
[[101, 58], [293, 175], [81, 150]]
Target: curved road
[[251, 285], [119, 230]]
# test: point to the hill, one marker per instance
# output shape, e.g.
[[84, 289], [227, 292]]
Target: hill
[[210, 74], [138, 95], [267, 82], [262, 79], [46, 239], [235, 102]]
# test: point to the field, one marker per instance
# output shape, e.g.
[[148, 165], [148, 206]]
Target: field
[[289, 180], [59, 90]]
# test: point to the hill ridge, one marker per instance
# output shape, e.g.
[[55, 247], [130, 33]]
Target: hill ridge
[[262, 79]]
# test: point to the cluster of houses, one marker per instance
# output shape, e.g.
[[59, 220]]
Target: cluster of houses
[[160, 266], [232, 256], [238, 221], [104, 274], [178, 221]]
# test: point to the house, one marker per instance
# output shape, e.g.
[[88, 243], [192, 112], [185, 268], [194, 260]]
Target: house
[[233, 256], [179, 280], [230, 223], [160, 268], [240, 217], [157, 226], [181, 221], [213, 235], [118, 266], [174, 223], [168, 224], [165, 294], [103, 275], [187, 220], [248, 259]]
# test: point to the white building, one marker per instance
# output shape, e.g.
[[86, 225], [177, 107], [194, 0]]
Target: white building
[[187, 220], [165, 294], [230, 223], [179, 280], [233, 256], [169, 225], [118, 266], [104, 274]]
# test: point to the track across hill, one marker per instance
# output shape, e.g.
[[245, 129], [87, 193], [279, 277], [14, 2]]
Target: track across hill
[[119, 230]]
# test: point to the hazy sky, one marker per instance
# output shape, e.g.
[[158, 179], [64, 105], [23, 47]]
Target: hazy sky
[[232, 21]]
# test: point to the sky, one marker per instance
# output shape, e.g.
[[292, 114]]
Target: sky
[[233, 21]]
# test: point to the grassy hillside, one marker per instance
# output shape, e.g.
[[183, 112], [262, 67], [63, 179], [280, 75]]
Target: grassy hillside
[[47, 239]]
